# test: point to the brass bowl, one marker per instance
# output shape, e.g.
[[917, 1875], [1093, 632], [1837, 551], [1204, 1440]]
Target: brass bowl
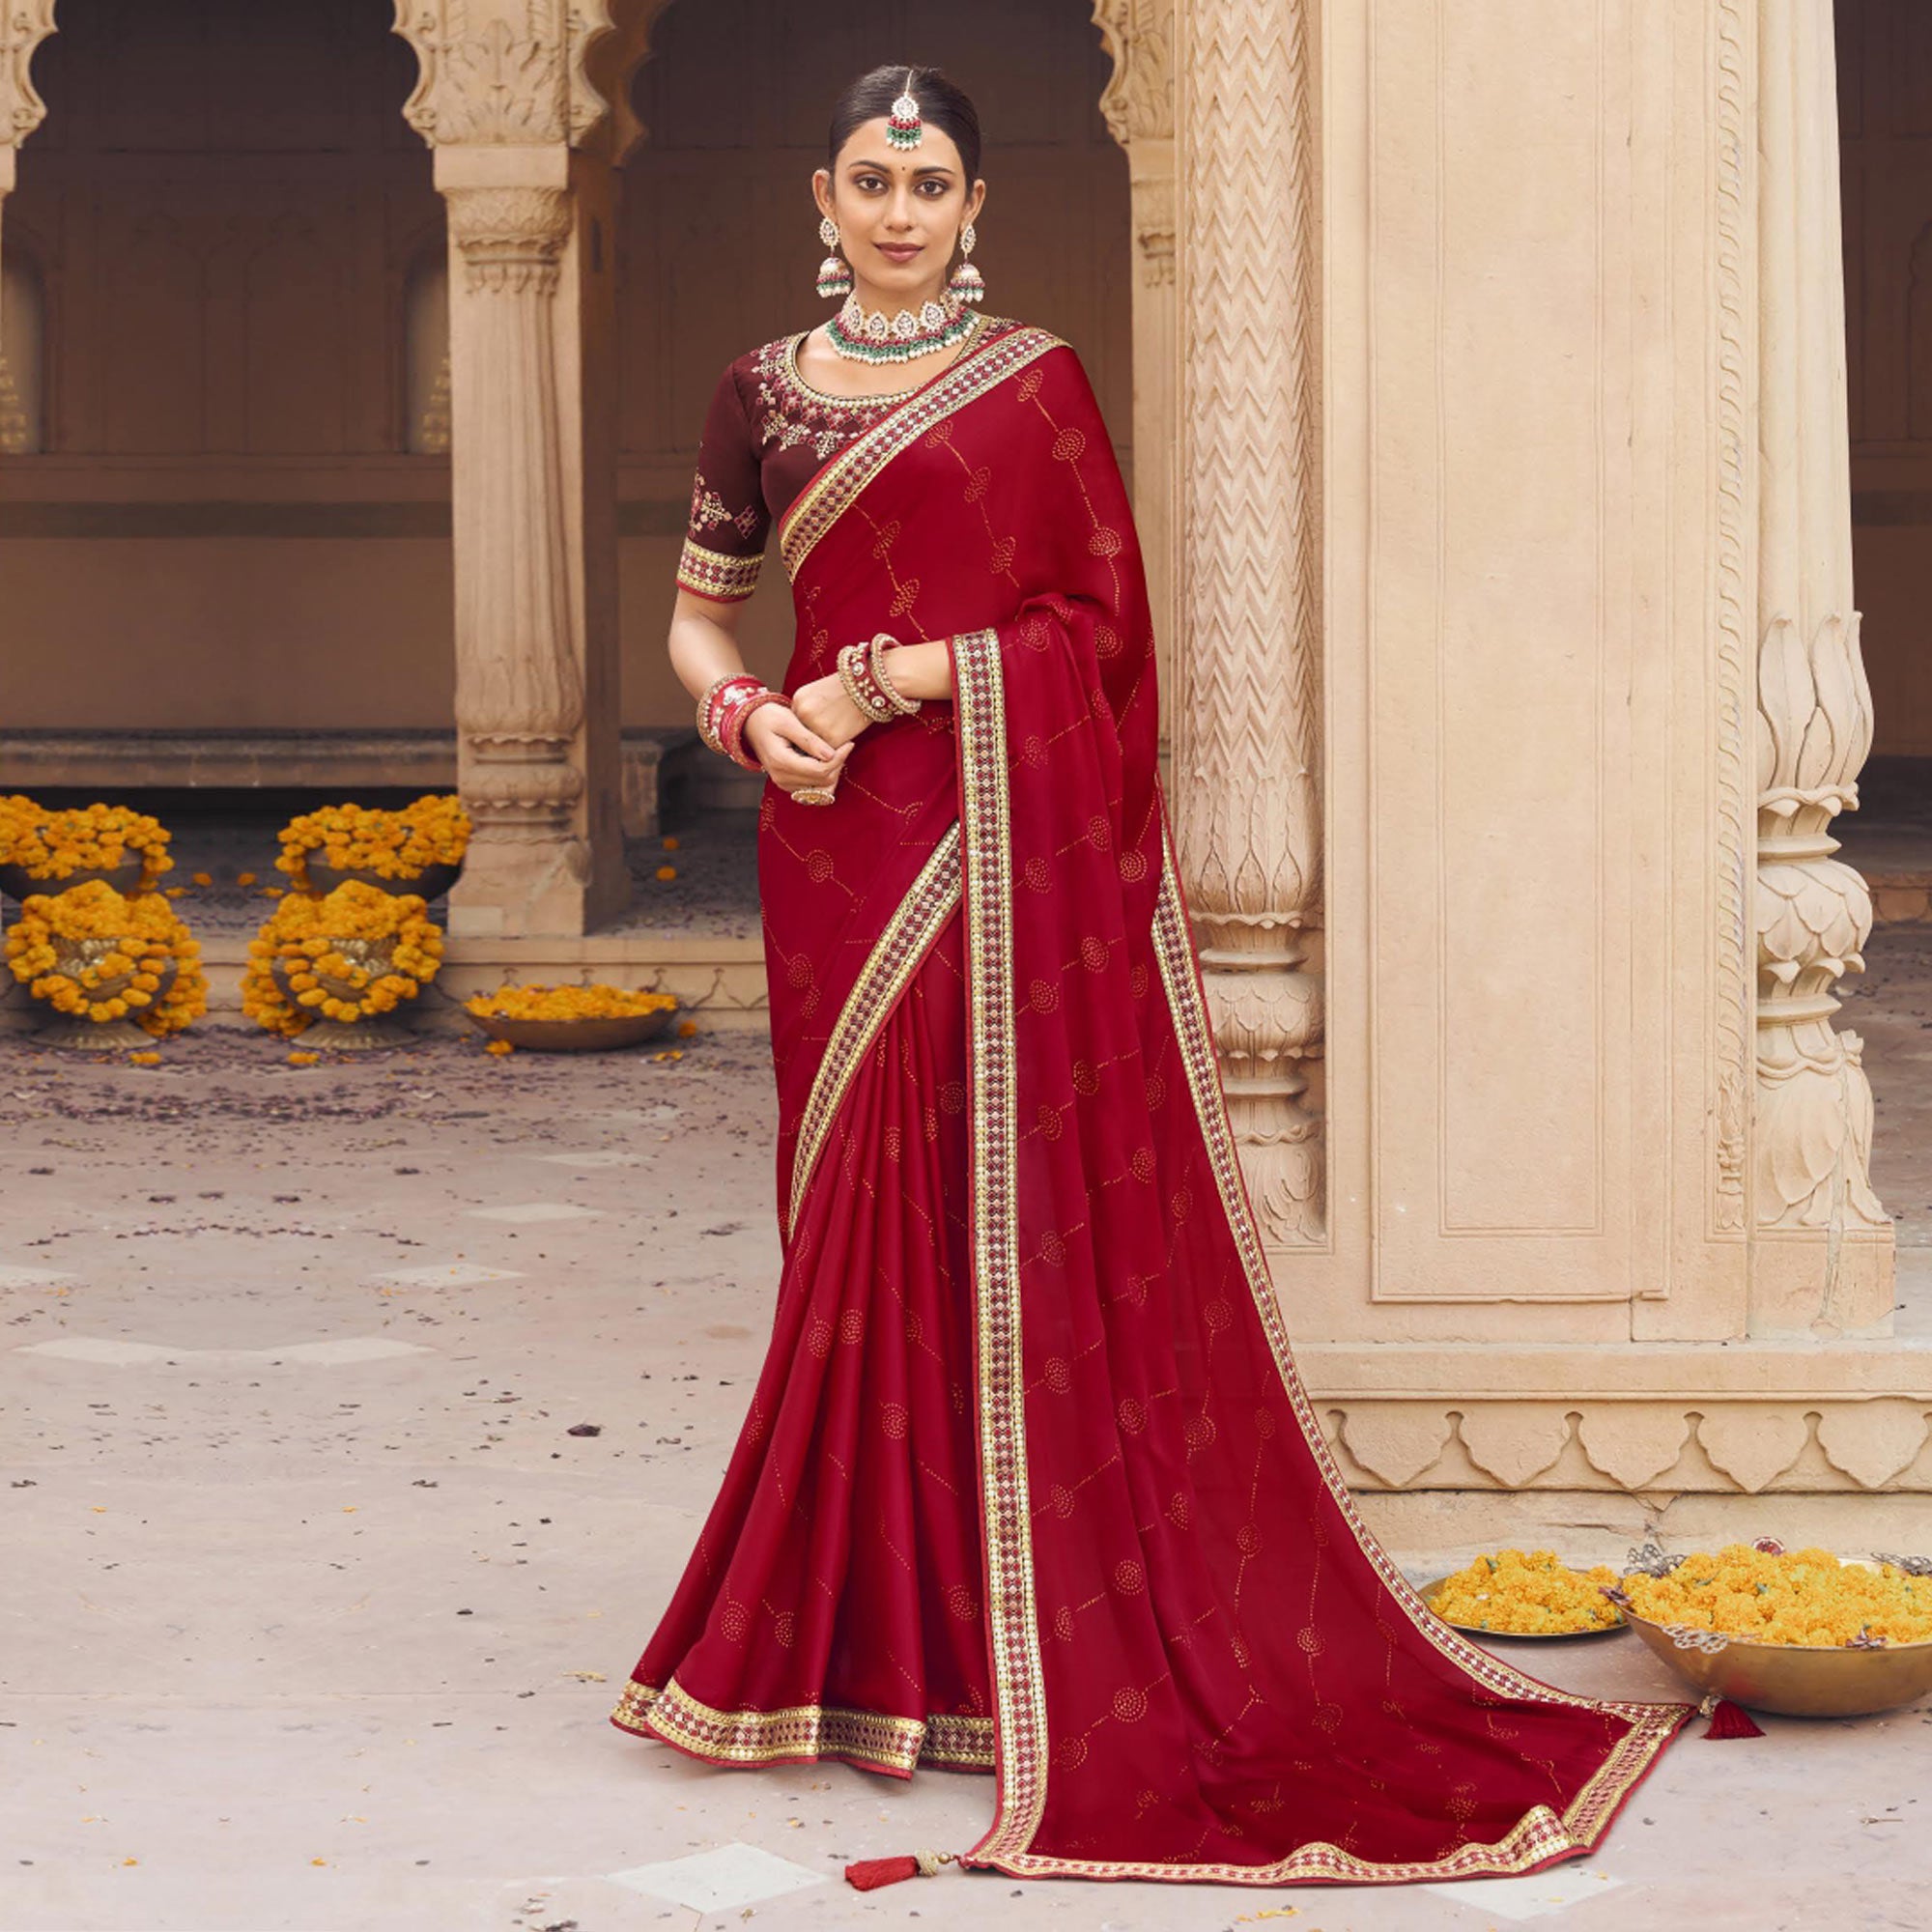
[[431, 883], [593, 1036], [18, 883], [1793, 1680], [67, 1030], [376, 1030], [1428, 1589]]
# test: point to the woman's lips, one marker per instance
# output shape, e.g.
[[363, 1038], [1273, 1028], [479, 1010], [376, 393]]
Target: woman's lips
[[900, 251]]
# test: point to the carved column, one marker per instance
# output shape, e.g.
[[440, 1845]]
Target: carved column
[[1247, 726], [524, 104], [23, 25], [1823, 1257], [1138, 107]]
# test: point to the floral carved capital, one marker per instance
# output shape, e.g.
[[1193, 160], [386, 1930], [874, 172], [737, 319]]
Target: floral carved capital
[[23, 25], [1137, 103], [527, 73], [511, 238]]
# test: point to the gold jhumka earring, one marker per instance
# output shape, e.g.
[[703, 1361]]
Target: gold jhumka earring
[[965, 281], [835, 272]]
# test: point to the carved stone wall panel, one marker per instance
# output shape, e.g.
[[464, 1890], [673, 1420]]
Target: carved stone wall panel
[[1508, 720], [1656, 1447]]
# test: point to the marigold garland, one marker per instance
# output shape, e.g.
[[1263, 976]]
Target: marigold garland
[[568, 1002], [432, 831], [1525, 1593], [357, 953], [1805, 1597], [93, 955], [53, 845]]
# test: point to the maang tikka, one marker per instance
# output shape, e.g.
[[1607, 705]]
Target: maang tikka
[[835, 273], [903, 127]]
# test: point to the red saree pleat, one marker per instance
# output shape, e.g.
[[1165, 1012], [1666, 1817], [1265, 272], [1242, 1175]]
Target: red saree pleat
[[831, 1607], [1198, 1661]]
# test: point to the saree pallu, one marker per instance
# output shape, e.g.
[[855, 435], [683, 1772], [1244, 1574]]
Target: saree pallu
[[1029, 1481]]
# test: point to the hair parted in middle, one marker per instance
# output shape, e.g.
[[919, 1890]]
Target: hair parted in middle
[[941, 104]]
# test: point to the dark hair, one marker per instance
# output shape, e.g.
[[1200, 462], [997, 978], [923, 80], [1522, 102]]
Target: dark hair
[[871, 98]]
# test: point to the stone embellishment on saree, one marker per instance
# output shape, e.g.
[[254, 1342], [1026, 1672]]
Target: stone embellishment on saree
[[710, 573], [831, 492], [805, 1731], [896, 957]]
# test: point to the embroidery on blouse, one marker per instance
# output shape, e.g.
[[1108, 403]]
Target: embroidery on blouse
[[711, 573], [708, 509], [793, 412]]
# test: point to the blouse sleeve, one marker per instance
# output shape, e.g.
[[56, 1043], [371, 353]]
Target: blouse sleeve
[[724, 543]]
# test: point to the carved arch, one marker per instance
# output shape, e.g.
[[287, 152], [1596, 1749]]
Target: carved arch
[[511, 73], [23, 25], [1137, 103]]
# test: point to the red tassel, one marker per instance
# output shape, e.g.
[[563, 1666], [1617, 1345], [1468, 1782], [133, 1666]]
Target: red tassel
[[869, 1874], [1732, 1720]]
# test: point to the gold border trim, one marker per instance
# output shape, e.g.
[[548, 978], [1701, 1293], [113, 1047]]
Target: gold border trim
[[896, 957], [831, 492], [1012, 1626], [802, 1731], [711, 573]]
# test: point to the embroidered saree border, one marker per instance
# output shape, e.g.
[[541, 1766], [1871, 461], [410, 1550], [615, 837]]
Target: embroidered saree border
[[713, 574], [802, 1731], [831, 492], [888, 967], [1012, 1626]]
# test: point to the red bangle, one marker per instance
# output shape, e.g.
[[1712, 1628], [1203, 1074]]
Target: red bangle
[[732, 734]]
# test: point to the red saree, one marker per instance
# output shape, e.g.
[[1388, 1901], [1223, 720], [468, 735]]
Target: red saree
[[1030, 1482]]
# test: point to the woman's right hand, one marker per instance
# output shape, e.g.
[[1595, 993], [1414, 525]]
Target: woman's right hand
[[793, 754]]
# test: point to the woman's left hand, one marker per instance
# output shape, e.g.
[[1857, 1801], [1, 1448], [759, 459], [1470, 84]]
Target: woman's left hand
[[824, 707]]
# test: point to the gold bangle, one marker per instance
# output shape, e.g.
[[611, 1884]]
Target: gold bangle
[[900, 703]]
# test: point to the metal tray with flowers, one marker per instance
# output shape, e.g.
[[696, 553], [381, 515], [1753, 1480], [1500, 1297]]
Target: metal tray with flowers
[[1793, 1680]]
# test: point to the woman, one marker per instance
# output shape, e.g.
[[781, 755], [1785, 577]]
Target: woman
[[1028, 1484]]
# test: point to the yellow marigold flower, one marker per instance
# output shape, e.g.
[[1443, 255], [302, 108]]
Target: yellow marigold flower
[[1805, 1597], [202, 878], [90, 951], [245, 878], [568, 1002], [434, 830], [348, 957], [500, 1047], [687, 1028], [1525, 1593], [667, 872], [303, 1059], [671, 844], [143, 1060]]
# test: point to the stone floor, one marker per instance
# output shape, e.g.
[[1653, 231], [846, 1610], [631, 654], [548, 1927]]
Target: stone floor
[[302, 1367]]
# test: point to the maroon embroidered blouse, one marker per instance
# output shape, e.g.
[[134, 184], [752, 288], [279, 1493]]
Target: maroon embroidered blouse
[[766, 433]]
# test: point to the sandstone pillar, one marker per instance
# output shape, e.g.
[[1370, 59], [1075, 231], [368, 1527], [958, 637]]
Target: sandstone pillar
[[1138, 107], [522, 101], [23, 25], [1823, 1247], [1247, 714]]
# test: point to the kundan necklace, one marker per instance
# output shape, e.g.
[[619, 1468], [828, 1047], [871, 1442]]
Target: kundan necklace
[[877, 337]]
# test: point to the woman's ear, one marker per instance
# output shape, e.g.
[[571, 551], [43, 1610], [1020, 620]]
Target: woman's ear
[[976, 200], [821, 189]]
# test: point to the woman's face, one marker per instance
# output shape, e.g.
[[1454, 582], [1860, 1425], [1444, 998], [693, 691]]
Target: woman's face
[[898, 212]]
